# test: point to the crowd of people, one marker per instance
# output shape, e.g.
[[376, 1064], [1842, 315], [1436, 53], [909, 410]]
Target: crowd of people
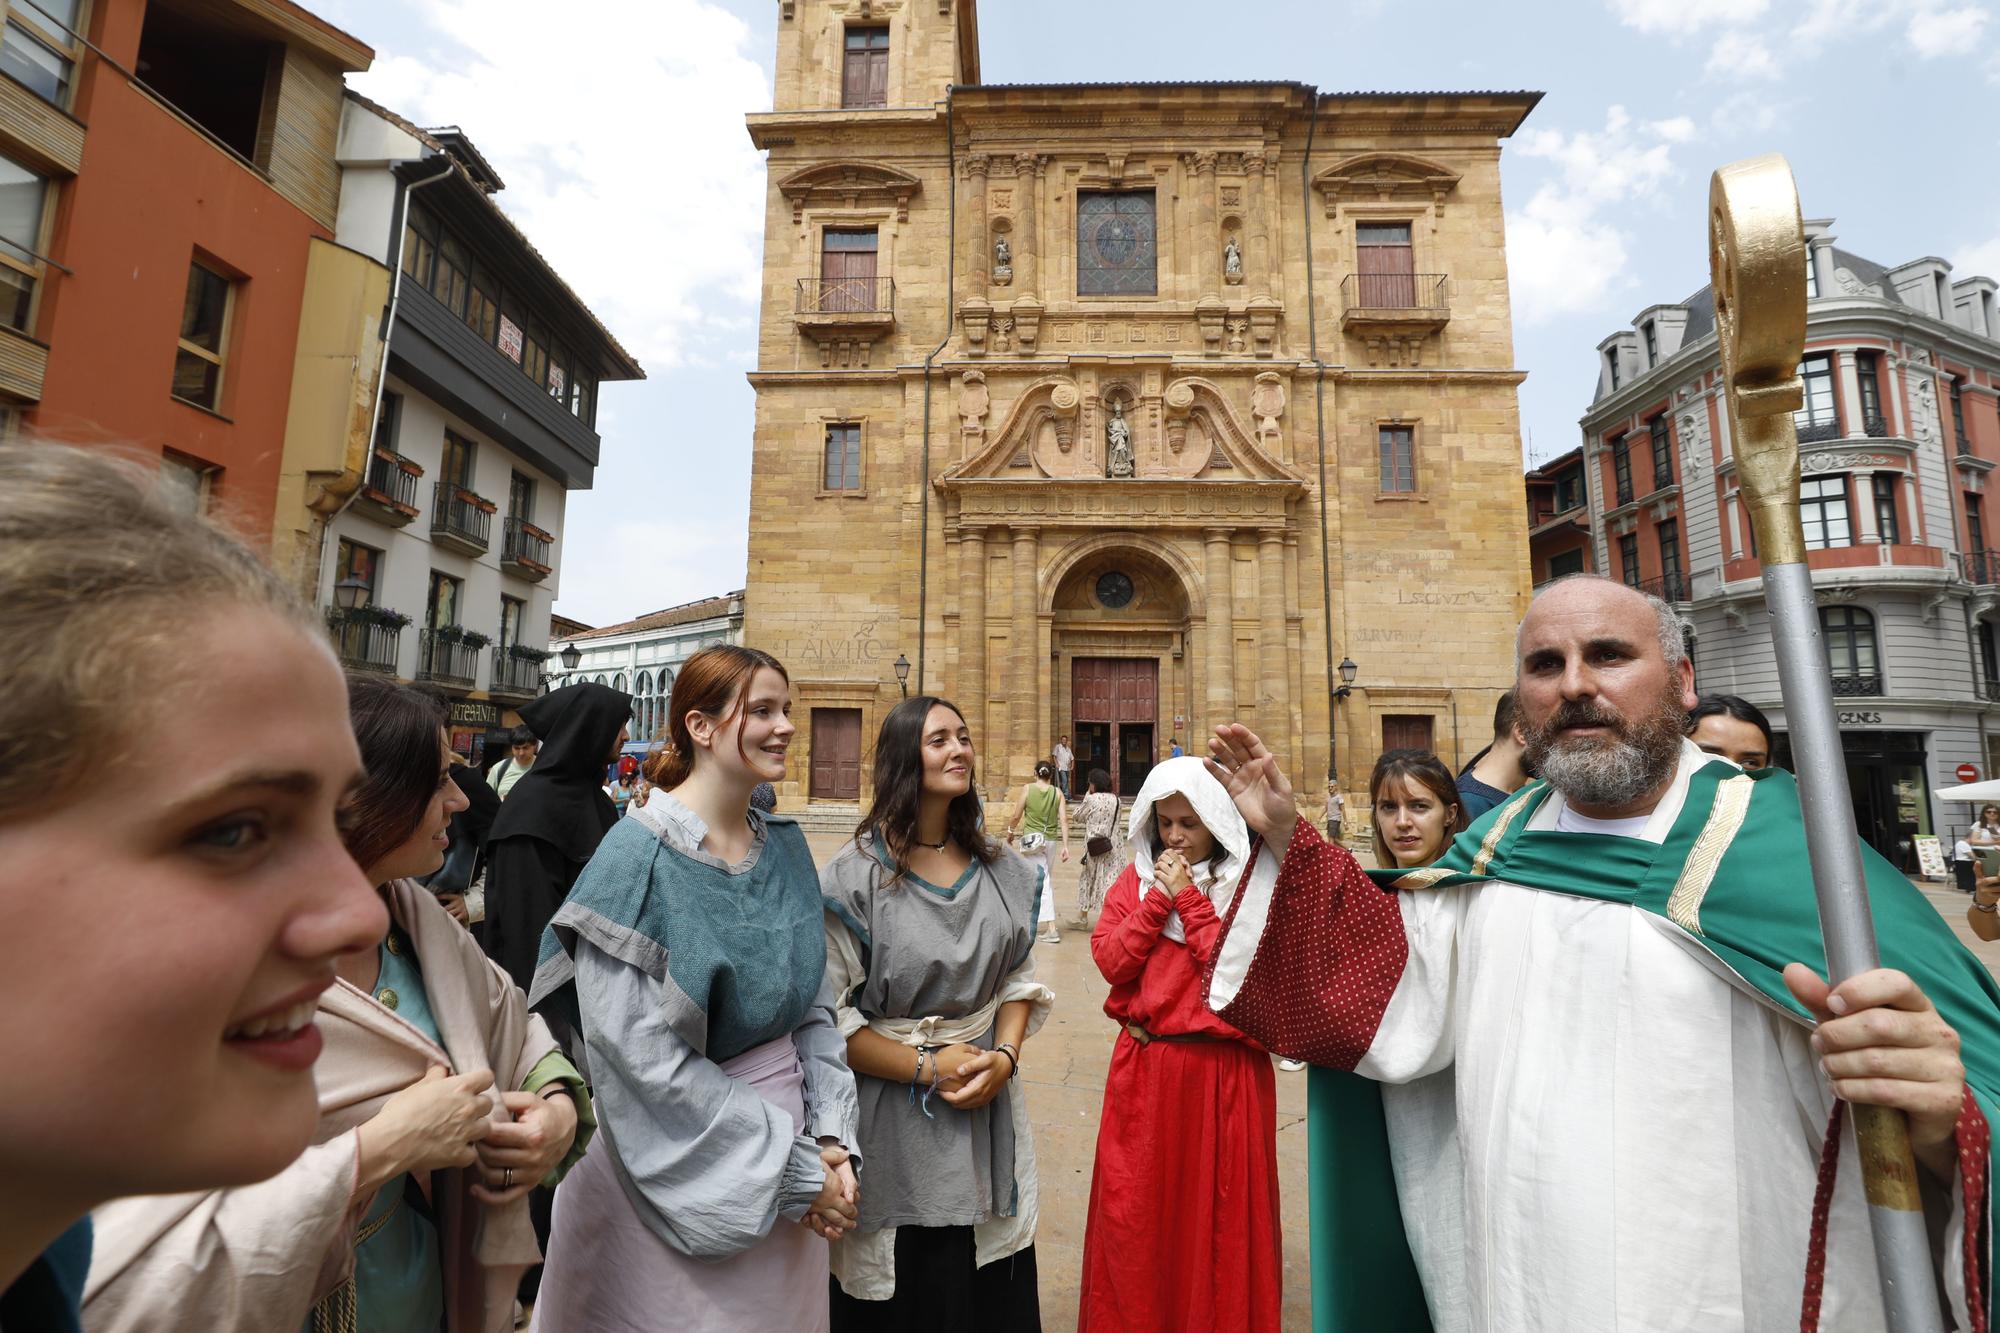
[[1575, 1063]]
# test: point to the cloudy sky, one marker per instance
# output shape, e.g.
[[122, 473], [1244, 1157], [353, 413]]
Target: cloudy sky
[[618, 125]]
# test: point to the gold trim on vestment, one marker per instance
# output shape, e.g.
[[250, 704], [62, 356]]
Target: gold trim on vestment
[[1423, 879], [1494, 834], [1725, 818]]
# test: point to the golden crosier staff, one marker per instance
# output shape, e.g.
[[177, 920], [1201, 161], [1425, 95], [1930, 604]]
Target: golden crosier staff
[[1757, 264]]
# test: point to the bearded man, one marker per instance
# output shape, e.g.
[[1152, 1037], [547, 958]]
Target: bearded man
[[1609, 1063]]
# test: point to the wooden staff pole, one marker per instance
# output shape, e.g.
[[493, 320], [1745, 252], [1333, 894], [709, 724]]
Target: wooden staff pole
[[1757, 263]]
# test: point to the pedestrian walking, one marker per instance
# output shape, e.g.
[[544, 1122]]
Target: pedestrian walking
[[1336, 811], [522, 750], [1183, 1233], [1098, 812], [442, 1103], [1040, 814], [1064, 759], [148, 940], [693, 951], [1986, 829], [930, 929]]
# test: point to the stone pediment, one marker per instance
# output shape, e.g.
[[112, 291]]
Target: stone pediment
[[1369, 178], [849, 185], [1058, 429]]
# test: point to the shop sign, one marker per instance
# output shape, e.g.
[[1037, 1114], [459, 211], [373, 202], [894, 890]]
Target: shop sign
[[1930, 856], [511, 342], [471, 713], [1868, 719]]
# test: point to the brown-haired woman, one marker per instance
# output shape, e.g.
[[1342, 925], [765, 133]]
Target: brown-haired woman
[[418, 1029], [1416, 815], [146, 948], [930, 932], [694, 942]]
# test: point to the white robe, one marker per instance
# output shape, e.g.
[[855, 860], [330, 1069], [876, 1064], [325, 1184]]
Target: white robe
[[1598, 1127]]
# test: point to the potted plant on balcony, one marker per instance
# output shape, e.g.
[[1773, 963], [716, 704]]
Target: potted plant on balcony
[[470, 639], [386, 617], [521, 652]]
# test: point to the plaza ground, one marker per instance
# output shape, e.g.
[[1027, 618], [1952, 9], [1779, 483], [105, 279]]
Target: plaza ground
[[1064, 1069]]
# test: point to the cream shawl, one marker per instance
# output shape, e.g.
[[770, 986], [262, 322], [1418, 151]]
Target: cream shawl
[[256, 1259], [1187, 777]]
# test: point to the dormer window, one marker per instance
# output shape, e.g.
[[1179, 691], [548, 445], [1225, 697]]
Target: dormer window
[[1652, 344], [1611, 358]]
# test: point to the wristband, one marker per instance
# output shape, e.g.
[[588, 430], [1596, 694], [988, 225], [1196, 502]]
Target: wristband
[[1986, 907], [1013, 1058]]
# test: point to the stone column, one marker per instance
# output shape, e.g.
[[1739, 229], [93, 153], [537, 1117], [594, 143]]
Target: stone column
[[972, 633], [1023, 709], [1273, 706], [1861, 501], [1256, 226], [1219, 636], [1848, 384], [1207, 237], [1027, 239], [980, 271]]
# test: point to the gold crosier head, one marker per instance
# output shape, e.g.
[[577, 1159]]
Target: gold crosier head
[[1757, 267]]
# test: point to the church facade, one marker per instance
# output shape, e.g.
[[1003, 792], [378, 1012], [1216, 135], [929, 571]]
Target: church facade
[[1118, 410]]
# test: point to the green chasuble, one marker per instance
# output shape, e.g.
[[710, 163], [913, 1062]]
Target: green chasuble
[[1733, 875]]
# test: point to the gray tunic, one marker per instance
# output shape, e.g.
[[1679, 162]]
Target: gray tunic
[[944, 951]]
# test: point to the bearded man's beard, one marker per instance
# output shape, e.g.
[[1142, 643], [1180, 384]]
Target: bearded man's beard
[[1607, 770]]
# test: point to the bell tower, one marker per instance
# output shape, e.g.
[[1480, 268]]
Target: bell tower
[[860, 55]]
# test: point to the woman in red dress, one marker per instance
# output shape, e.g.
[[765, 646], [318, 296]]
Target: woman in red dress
[[1183, 1231]]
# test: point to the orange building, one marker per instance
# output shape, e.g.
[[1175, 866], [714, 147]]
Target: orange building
[[163, 189]]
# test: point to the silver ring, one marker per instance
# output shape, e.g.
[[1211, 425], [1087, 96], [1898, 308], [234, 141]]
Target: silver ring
[[507, 1179]]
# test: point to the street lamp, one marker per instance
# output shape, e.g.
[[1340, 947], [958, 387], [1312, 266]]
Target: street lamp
[[1347, 673], [571, 656], [903, 674], [351, 593]]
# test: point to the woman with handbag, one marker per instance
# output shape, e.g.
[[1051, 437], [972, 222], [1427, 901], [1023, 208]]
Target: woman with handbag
[[1099, 812], [1040, 813]]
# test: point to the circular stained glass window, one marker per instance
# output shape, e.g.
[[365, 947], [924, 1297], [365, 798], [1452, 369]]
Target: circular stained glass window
[[1114, 591]]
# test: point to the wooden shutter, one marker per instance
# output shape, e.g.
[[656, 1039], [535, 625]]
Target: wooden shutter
[[847, 271], [1387, 265], [1406, 731]]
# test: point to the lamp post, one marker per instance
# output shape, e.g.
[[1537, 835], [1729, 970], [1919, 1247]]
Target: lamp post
[[903, 674], [1347, 671], [351, 593]]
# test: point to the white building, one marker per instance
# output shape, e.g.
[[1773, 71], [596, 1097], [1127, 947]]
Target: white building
[[642, 657], [447, 558]]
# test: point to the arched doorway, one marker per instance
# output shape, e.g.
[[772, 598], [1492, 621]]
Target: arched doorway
[[1120, 632]]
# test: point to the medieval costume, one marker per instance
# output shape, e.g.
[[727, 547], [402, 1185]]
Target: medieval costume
[[552, 822], [1183, 1231], [949, 1198], [298, 1251], [718, 1074], [1601, 1107], [1099, 813]]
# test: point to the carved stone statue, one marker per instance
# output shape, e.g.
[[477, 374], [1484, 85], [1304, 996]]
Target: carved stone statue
[[1232, 261], [1003, 261], [1118, 435]]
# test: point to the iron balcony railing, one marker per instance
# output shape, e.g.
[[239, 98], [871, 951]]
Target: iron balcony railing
[[847, 296], [1819, 432], [1668, 587], [388, 477], [460, 513], [524, 543], [1426, 293], [1982, 566], [364, 644], [1856, 687], [446, 661], [516, 675], [1874, 427]]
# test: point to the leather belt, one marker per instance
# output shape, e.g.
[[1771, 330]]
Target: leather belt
[[1145, 1038]]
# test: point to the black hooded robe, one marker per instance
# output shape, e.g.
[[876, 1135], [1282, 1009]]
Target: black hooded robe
[[552, 820]]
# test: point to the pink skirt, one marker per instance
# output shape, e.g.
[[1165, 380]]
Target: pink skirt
[[606, 1272]]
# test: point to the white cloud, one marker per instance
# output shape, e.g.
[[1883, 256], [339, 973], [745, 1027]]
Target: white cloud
[[1685, 18], [626, 161], [1566, 248], [1978, 260], [1945, 32], [1740, 55]]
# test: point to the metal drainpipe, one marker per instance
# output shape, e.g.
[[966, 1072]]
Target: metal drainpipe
[[1319, 407], [403, 193], [950, 278]]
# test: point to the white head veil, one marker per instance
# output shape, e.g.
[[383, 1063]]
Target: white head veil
[[1187, 777]]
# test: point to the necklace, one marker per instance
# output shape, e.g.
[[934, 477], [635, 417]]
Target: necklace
[[936, 846]]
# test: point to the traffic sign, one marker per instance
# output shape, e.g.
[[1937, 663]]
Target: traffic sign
[[1967, 773]]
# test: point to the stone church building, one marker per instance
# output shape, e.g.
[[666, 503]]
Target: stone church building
[[1117, 410]]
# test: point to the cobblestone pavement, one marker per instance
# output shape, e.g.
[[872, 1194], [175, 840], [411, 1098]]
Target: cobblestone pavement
[[1064, 1071]]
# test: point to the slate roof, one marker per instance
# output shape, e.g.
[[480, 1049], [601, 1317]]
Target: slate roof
[[707, 608]]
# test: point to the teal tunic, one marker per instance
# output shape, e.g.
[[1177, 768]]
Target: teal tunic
[[398, 1274]]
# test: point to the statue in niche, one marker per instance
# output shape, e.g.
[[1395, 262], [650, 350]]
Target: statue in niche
[[1003, 261], [1118, 436], [1232, 261]]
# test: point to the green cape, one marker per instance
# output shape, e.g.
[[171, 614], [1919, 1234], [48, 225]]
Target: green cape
[[1756, 914]]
